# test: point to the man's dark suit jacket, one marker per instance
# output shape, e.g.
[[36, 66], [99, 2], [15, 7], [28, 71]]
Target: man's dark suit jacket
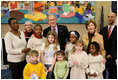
[[110, 44], [62, 35]]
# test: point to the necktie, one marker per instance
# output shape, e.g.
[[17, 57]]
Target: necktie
[[109, 32], [54, 29]]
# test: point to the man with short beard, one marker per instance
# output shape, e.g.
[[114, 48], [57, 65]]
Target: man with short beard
[[110, 44]]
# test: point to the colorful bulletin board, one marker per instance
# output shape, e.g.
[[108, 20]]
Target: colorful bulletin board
[[37, 11]]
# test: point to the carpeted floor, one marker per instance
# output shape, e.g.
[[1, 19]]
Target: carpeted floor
[[6, 74]]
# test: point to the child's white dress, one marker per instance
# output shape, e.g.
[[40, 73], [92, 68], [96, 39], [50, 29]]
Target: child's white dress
[[78, 71], [68, 49], [95, 65]]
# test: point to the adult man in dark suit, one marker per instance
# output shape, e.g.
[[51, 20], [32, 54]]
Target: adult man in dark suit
[[110, 44], [61, 30]]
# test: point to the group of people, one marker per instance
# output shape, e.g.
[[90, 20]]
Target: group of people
[[60, 54]]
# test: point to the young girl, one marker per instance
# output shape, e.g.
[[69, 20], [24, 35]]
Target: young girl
[[78, 61], [47, 53], [34, 69], [36, 40], [96, 66], [73, 37], [61, 70], [28, 29]]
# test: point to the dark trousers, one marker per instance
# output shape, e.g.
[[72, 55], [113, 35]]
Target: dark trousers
[[17, 69], [50, 75], [112, 68]]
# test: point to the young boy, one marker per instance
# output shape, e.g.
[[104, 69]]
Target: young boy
[[36, 40], [34, 69]]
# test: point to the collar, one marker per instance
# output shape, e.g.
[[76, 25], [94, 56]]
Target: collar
[[55, 28], [34, 62], [37, 36], [112, 27], [86, 35], [78, 52], [91, 34]]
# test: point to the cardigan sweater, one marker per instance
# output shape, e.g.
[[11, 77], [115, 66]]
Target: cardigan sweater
[[14, 46]]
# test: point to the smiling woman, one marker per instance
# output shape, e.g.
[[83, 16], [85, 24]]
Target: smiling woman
[[15, 47], [92, 36]]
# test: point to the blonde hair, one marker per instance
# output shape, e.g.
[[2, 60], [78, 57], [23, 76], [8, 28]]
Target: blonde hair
[[34, 52], [78, 42], [53, 33]]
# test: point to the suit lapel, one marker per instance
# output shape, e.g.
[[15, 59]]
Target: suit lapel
[[49, 28], [105, 32], [114, 30], [58, 31]]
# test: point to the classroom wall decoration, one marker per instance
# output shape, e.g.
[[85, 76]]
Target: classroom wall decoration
[[37, 11]]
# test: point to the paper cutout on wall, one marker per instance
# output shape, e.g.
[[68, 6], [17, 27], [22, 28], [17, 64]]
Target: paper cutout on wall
[[53, 9], [5, 9], [18, 15], [68, 10], [37, 11], [2, 14], [37, 15]]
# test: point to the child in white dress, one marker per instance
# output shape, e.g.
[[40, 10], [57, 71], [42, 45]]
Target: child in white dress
[[73, 37], [78, 61], [96, 66]]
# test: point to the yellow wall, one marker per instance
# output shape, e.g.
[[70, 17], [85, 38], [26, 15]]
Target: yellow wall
[[106, 10]]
